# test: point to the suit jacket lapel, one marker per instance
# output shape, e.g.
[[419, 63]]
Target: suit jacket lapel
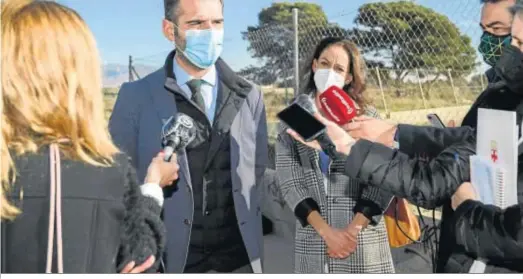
[[164, 100], [228, 105]]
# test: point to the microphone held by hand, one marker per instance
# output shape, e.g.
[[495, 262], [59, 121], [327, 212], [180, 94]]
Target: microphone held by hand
[[177, 132], [337, 106]]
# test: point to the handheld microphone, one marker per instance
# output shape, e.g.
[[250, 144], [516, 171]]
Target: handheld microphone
[[177, 132], [337, 106], [326, 144]]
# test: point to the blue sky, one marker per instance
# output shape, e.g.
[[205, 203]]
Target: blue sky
[[133, 27]]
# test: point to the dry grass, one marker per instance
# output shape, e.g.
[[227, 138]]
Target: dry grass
[[409, 109], [110, 95]]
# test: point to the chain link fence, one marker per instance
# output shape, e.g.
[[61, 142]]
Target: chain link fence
[[420, 57], [418, 61]]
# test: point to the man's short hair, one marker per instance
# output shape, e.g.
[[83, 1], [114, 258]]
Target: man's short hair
[[490, 1], [171, 7]]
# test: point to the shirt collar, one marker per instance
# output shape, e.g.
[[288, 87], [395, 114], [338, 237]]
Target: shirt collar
[[182, 77]]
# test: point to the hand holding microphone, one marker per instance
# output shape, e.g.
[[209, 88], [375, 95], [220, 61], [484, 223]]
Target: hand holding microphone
[[177, 132], [161, 172], [341, 109]]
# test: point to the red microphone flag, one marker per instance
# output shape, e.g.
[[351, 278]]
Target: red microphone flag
[[337, 105]]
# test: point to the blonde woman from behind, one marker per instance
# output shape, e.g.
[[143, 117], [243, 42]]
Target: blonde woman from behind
[[54, 140]]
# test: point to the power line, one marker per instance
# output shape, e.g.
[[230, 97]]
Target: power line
[[343, 13]]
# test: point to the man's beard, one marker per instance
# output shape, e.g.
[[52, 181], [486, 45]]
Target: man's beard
[[180, 48]]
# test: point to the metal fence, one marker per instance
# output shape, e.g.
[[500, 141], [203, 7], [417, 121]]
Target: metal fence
[[419, 56], [417, 59]]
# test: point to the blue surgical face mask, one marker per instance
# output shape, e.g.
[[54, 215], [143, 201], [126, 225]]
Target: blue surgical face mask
[[203, 47]]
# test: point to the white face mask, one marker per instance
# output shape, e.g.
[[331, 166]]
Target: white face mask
[[325, 78]]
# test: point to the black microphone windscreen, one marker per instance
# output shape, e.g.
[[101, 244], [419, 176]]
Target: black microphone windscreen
[[187, 131], [179, 129]]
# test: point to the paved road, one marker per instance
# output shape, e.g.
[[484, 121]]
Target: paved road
[[278, 255]]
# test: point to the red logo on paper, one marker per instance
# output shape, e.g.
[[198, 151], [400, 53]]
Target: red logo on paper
[[493, 151], [494, 156]]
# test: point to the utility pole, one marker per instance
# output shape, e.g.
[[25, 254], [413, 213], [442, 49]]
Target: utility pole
[[131, 68], [296, 52]]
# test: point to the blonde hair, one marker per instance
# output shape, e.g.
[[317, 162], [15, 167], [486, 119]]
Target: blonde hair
[[51, 89]]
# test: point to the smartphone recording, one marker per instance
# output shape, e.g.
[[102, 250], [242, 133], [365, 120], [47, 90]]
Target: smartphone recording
[[435, 121], [301, 121]]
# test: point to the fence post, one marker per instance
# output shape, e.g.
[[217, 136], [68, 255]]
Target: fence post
[[130, 68], [296, 52], [421, 90], [452, 85], [382, 92]]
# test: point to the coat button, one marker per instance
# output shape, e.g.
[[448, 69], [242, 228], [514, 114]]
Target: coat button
[[242, 223], [335, 200], [207, 213], [187, 222]]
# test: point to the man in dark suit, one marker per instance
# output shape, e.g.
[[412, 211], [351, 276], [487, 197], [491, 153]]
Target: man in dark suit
[[213, 218]]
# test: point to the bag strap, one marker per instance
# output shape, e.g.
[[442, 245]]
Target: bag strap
[[55, 211]]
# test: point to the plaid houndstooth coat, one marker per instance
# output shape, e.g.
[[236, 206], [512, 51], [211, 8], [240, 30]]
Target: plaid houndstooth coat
[[300, 177]]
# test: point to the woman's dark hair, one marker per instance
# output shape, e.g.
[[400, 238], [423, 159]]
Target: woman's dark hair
[[356, 68]]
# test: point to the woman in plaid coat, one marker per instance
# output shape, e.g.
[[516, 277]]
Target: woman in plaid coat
[[338, 219]]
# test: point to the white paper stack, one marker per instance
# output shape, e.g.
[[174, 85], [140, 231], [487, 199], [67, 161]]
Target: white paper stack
[[494, 169], [497, 142]]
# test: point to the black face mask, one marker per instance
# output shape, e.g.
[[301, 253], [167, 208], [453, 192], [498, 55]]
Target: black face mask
[[491, 46], [510, 68]]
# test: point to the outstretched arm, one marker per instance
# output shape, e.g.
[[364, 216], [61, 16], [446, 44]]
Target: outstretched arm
[[426, 183], [143, 231]]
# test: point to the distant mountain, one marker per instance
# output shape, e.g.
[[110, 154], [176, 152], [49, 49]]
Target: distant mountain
[[116, 74]]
